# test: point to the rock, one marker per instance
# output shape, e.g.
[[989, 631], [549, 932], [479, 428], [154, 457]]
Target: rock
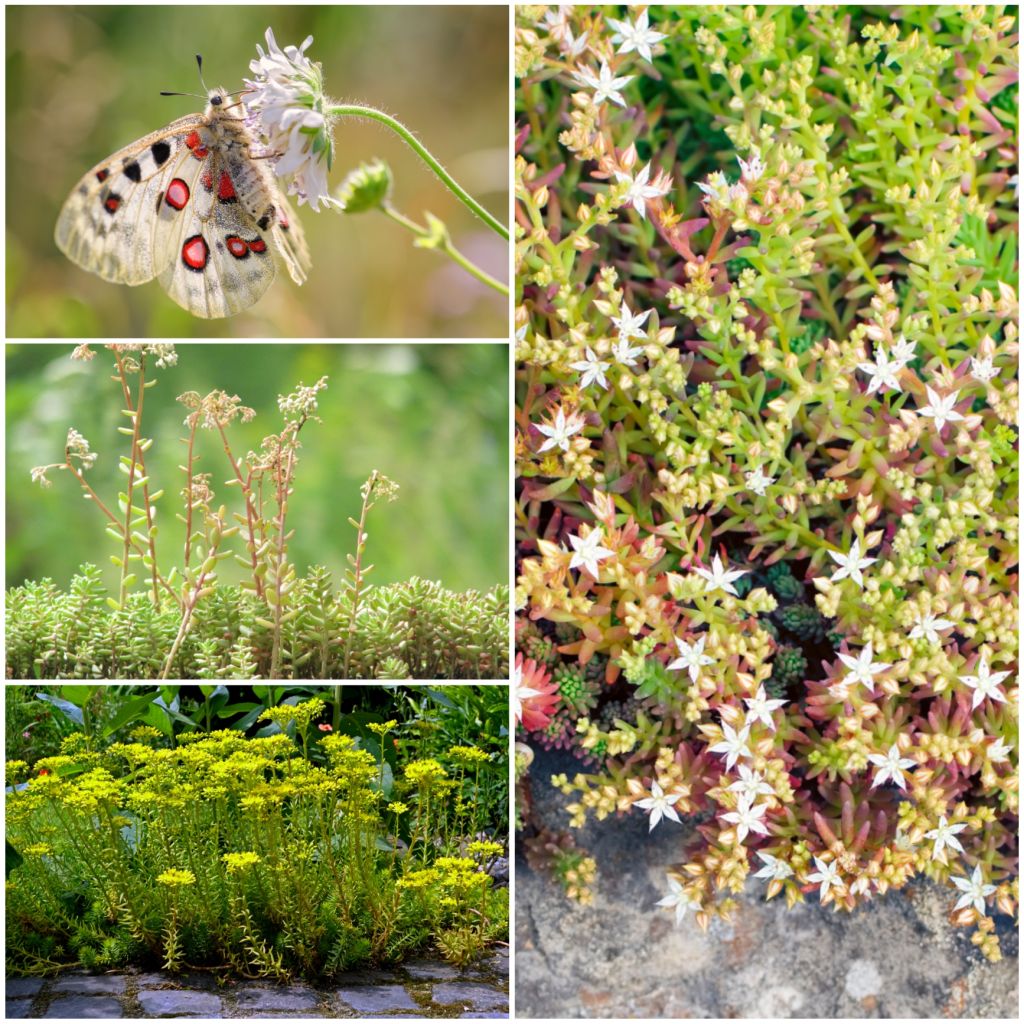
[[470, 995], [90, 984], [180, 1003], [16, 1009], [17, 987], [423, 970], [377, 998], [85, 1006], [295, 998]]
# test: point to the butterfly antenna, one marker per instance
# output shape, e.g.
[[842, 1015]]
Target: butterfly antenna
[[199, 61]]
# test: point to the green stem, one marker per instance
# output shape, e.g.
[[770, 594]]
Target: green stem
[[352, 110], [447, 248]]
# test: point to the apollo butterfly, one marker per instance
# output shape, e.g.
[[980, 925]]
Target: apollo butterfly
[[192, 205]]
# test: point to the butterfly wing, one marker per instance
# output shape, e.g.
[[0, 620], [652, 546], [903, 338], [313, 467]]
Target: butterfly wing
[[221, 260], [107, 224], [290, 242]]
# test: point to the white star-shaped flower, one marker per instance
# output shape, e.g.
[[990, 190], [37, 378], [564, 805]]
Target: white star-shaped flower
[[1014, 180], [940, 409], [750, 785], [775, 869], [884, 372], [904, 350], [747, 819], [734, 746], [637, 36], [851, 564], [716, 187], [890, 766], [592, 369], [752, 169], [520, 692], [630, 325], [691, 657], [757, 481], [588, 552], [928, 626], [863, 668], [998, 751], [975, 890], [661, 804], [718, 578], [605, 85], [827, 875], [985, 684], [983, 370], [677, 898], [944, 835], [760, 708], [623, 354], [560, 432], [640, 191]]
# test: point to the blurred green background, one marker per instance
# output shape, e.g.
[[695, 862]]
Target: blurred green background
[[83, 82], [433, 417]]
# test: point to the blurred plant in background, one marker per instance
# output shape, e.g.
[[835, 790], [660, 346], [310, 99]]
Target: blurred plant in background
[[447, 77]]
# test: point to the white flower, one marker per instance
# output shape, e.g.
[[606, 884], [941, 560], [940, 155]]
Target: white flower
[[560, 432], [884, 372], [734, 745], [747, 819], [940, 409], [691, 657], [862, 668], [998, 751], [985, 684], [630, 324], [521, 333], [753, 169], [716, 187], [750, 785], [944, 835], [717, 578], [975, 890], [520, 692], [678, 899], [623, 354], [774, 868], [927, 627], [1014, 180], [827, 875], [760, 708], [284, 103], [569, 45], [890, 766], [661, 804], [592, 369], [588, 551], [851, 564], [983, 370], [637, 36], [77, 447], [757, 481], [605, 85], [640, 191], [904, 350]]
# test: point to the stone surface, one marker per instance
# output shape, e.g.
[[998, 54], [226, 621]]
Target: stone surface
[[17, 987], [89, 985], [429, 971], [175, 1003], [470, 995], [296, 998], [624, 957], [377, 998], [16, 1009], [84, 1006]]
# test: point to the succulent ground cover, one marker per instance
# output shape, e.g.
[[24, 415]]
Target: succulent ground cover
[[184, 623], [288, 847], [766, 441]]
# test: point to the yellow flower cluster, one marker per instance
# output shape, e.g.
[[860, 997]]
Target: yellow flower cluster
[[237, 862], [175, 876], [425, 773], [468, 755]]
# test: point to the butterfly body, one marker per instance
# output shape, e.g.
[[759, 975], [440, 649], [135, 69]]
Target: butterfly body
[[192, 205]]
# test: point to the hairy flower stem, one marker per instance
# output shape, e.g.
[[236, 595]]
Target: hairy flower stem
[[357, 567], [445, 246], [352, 110], [284, 489], [250, 512], [136, 417], [189, 462]]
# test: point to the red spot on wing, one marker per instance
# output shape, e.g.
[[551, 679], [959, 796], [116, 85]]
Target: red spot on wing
[[283, 220], [111, 203], [237, 247], [177, 194], [102, 175], [195, 253], [226, 190], [207, 180], [257, 245], [195, 144]]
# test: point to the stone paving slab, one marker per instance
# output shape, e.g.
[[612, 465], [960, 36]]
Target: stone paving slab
[[419, 988]]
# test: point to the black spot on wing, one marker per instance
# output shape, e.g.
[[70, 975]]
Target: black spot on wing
[[263, 222], [133, 172], [161, 151]]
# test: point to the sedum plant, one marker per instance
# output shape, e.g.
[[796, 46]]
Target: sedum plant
[[292, 853], [276, 623], [766, 440]]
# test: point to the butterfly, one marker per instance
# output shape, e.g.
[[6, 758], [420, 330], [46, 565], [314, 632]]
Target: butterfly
[[193, 205]]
